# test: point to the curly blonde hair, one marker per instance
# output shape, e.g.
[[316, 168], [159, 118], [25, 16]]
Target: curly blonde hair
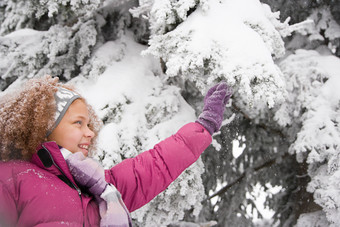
[[27, 115]]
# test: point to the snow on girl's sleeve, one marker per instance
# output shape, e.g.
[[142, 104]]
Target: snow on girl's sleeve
[[141, 178]]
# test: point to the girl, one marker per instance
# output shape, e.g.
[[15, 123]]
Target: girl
[[47, 178]]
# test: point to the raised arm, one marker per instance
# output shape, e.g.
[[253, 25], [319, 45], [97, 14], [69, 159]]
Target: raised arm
[[141, 178]]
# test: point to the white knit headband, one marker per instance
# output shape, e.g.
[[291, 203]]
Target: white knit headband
[[63, 98]]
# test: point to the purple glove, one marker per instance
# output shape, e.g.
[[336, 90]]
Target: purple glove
[[214, 104], [87, 172]]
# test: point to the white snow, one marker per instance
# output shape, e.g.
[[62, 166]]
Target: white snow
[[131, 79]]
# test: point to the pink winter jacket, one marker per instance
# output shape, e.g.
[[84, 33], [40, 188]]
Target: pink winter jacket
[[43, 192]]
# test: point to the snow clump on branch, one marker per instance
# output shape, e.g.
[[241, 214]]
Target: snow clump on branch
[[222, 40]]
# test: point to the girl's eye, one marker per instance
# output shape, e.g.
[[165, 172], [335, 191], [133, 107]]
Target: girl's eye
[[78, 122]]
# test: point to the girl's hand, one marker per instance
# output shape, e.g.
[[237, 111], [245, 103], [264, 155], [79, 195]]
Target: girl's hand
[[87, 172], [214, 104]]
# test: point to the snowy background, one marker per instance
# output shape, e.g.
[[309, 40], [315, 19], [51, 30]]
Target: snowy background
[[145, 66]]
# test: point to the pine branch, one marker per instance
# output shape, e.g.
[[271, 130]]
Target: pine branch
[[265, 127], [240, 178]]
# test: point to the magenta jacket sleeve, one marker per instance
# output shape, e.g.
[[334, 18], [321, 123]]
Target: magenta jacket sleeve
[[8, 206], [141, 178]]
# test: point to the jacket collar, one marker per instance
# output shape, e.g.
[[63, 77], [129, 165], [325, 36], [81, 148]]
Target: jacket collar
[[48, 157]]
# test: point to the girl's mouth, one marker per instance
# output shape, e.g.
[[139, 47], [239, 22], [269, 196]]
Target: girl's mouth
[[84, 149], [84, 146]]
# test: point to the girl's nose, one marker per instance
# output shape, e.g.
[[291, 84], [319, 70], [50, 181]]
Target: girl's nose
[[89, 133]]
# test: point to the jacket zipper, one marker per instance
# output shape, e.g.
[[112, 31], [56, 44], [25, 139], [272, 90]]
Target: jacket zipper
[[74, 186]]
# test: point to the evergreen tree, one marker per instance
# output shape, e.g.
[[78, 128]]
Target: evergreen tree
[[145, 66]]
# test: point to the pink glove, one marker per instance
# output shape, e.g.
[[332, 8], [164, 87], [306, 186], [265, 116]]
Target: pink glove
[[87, 172], [214, 104]]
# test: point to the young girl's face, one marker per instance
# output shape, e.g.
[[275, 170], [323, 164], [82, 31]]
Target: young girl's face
[[73, 132]]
